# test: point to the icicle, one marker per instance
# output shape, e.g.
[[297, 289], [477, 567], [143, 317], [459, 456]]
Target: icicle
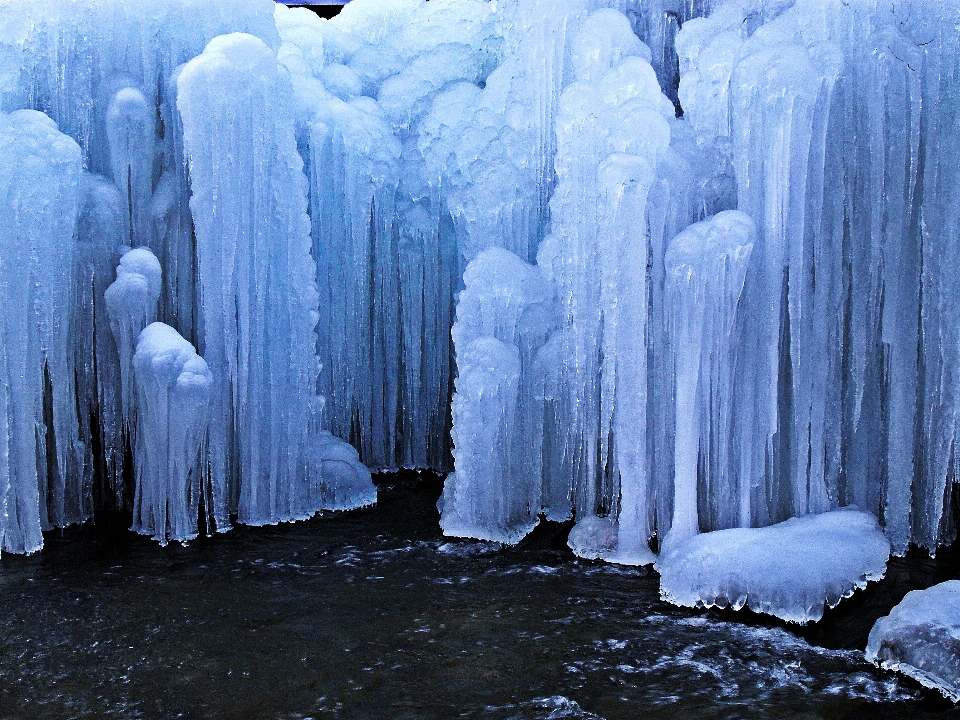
[[99, 237], [706, 265]]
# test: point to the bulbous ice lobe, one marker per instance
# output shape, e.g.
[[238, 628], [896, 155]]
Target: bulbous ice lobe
[[174, 387]]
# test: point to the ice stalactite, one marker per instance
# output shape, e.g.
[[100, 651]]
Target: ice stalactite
[[354, 174], [777, 136], [361, 103], [504, 315], [131, 304], [99, 238], [257, 286], [42, 478], [706, 265], [173, 386]]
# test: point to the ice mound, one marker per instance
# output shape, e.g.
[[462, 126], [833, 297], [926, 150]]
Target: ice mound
[[921, 638], [594, 538], [789, 570], [337, 477]]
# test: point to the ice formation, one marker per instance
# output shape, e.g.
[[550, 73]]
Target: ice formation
[[41, 458], [338, 480], [128, 160], [662, 267], [257, 291], [792, 570], [131, 303], [505, 313], [173, 400], [920, 638]]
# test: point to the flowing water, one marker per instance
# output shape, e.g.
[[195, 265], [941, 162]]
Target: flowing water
[[373, 614]]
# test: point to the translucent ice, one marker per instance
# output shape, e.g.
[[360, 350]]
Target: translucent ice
[[258, 290], [921, 638]]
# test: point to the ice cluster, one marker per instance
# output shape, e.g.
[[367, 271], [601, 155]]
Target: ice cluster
[[663, 267]]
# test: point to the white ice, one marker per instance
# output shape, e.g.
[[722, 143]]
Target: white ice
[[174, 387], [792, 570], [131, 303]]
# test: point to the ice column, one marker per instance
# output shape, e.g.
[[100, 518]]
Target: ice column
[[504, 316], [706, 265], [484, 407], [173, 394], [625, 181], [39, 198], [613, 130], [257, 282]]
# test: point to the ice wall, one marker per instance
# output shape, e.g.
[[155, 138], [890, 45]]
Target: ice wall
[[717, 240], [845, 170], [807, 364], [107, 73], [95, 355]]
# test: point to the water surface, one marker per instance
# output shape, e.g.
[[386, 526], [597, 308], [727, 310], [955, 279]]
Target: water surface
[[374, 614]]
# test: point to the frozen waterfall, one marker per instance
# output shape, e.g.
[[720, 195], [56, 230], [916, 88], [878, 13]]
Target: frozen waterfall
[[662, 268]]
